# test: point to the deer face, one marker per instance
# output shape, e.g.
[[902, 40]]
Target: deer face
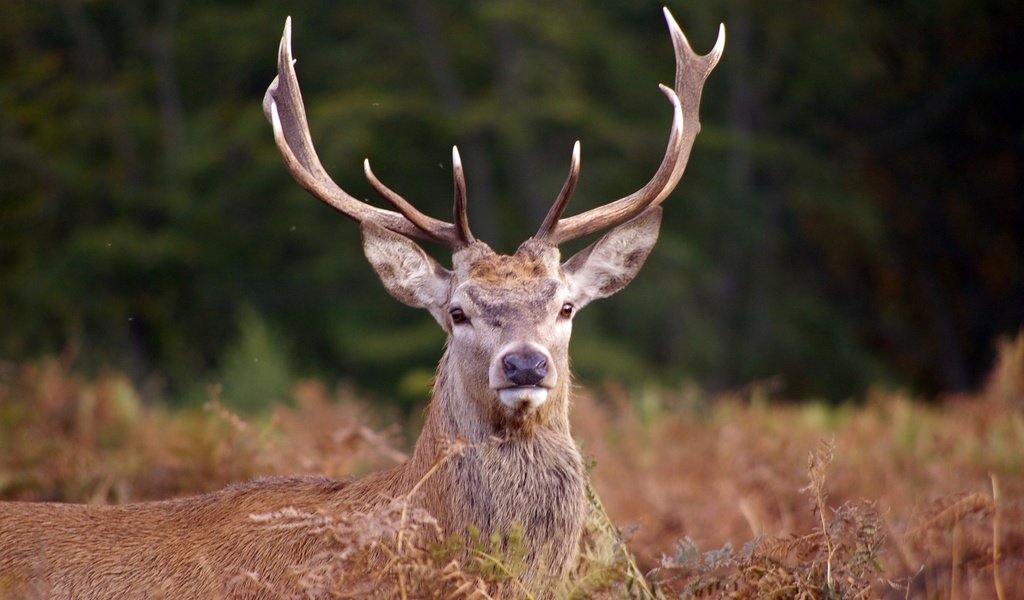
[[509, 318]]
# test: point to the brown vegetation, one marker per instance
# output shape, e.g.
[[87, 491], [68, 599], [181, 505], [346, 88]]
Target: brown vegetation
[[736, 496]]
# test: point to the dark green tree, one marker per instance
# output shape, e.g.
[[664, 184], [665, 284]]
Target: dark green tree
[[852, 211]]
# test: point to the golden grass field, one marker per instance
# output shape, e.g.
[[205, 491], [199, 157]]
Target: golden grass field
[[733, 496]]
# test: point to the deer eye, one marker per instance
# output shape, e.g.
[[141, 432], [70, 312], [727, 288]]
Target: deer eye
[[567, 310], [458, 316]]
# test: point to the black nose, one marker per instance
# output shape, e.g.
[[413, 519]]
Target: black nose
[[525, 368]]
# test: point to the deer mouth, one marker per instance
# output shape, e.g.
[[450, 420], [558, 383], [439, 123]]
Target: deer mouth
[[523, 397]]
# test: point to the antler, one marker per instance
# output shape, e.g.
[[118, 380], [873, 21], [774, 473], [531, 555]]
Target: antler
[[692, 71], [283, 107]]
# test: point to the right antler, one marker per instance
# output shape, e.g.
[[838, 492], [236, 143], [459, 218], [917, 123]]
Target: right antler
[[692, 71], [283, 107]]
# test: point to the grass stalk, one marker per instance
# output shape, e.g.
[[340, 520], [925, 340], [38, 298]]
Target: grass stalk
[[996, 551], [633, 571]]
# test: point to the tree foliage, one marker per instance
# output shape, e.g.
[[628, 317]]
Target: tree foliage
[[852, 210]]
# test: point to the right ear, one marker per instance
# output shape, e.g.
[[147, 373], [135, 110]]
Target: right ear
[[607, 265], [408, 273]]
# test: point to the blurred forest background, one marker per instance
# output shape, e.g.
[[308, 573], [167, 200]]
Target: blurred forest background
[[853, 211]]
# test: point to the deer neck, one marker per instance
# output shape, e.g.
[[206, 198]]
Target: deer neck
[[496, 482], [459, 412]]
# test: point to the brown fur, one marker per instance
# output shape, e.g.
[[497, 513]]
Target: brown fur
[[528, 264], [520, 469]]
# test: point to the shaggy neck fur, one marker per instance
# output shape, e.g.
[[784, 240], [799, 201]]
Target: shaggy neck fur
[[517, 473]]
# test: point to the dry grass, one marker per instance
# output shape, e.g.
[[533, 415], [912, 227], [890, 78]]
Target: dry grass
[[736, 496], [733, 472]]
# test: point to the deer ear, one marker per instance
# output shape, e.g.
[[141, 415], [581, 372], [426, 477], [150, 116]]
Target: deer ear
[[607, 265], [408, 273]]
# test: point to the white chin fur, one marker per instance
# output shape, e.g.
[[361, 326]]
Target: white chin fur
[[529, 398]]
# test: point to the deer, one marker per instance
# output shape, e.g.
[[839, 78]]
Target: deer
[[502, 389]]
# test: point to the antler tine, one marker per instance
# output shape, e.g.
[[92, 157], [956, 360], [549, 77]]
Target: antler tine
[[283, 107], [692, 71], [460, 217], [551, 220], [421, 221]]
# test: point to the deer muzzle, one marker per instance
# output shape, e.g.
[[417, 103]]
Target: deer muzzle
[[522, 374]]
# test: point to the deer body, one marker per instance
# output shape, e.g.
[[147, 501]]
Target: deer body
[[502, 394], [211, 545], [184, 548]]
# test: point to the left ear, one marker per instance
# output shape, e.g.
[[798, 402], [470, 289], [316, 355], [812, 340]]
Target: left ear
[[607, 265], [408, 273]]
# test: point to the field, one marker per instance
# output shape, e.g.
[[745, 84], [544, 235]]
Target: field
[[741, 495]]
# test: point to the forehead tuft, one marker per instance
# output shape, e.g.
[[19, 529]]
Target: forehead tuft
[[527, 264], [498, 270]]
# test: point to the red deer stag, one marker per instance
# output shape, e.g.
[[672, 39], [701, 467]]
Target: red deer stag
[[502, 386]]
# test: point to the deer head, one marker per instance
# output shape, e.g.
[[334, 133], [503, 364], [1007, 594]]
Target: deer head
[[508, 318]]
